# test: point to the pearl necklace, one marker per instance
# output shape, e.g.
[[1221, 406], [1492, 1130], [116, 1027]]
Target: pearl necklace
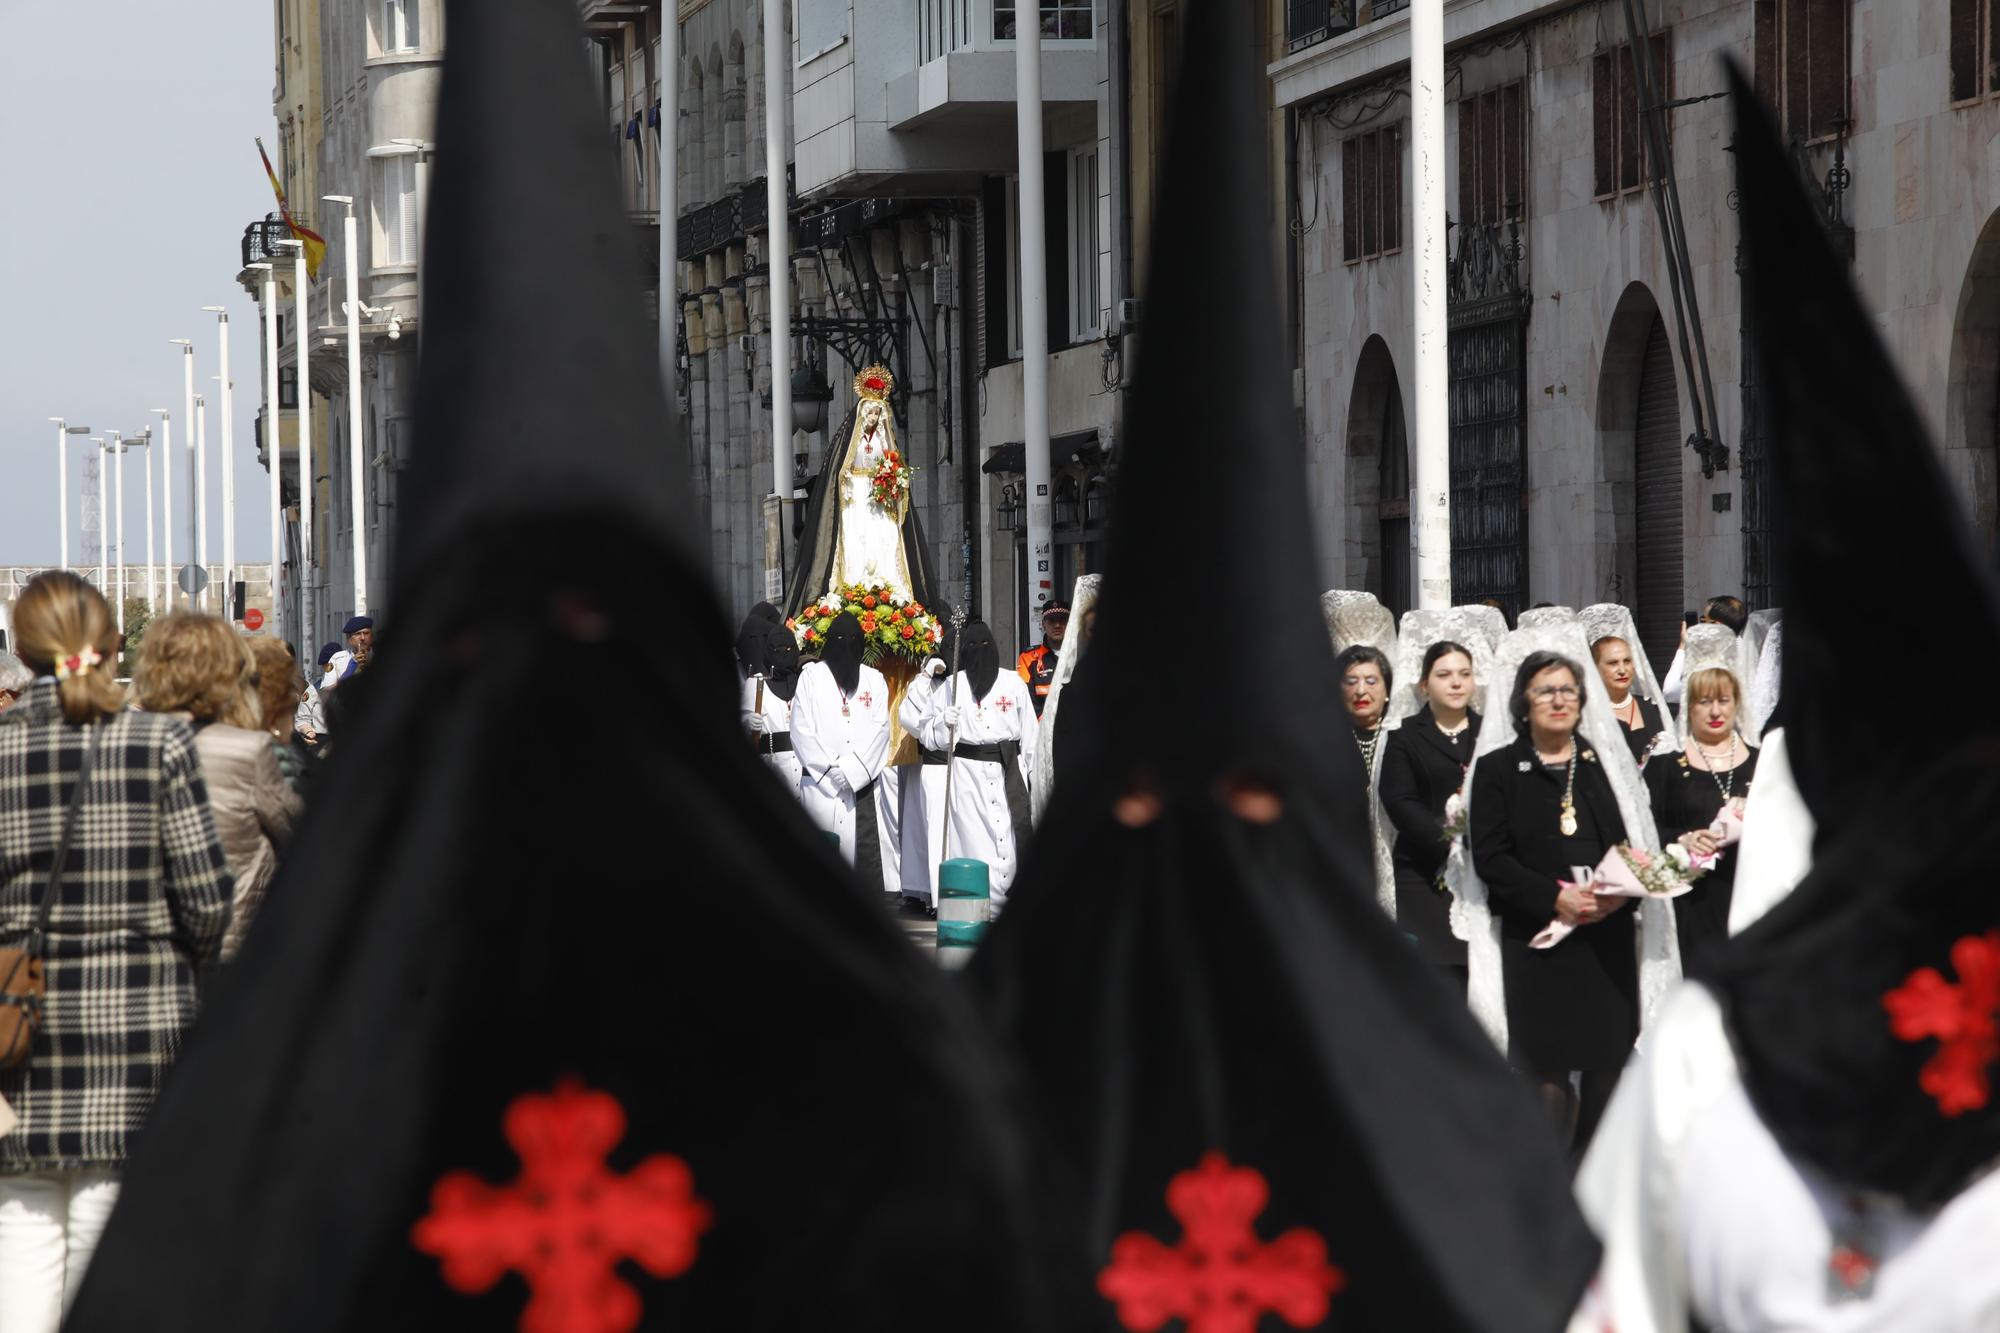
[[1725, 785]]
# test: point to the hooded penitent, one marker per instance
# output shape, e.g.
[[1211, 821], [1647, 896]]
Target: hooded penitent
[[845, 647], [574, 1024], [982, 659], [781, 662], [1248, 1091], [1862, 1006], [750, 639]]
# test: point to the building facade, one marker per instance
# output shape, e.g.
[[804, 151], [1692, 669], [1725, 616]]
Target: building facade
[[1607, 436], [357, 100]]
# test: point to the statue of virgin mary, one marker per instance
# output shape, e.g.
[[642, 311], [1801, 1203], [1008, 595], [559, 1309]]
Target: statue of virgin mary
[[852, 535]]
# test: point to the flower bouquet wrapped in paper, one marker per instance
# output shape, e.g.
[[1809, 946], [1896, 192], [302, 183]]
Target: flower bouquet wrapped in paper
[[1632, 872]]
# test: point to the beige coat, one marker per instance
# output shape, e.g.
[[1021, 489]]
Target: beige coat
[[254, 810]]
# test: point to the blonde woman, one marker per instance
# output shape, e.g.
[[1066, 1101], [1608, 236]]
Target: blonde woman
[[141, 905], [281, 687], [198, 668]]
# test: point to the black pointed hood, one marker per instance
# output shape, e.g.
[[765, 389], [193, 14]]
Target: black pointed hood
[[845, 647], [1907, 852], [781, 661], [1211, 1008], [547, 898], [751, 639], [982, 658]]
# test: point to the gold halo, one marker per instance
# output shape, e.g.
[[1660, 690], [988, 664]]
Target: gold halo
[[875, 383]]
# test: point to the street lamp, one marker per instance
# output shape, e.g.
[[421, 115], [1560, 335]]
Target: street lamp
[[357, 465], [167, 499], [308, 498], [103, 519], [143, 439], [63, 431], [228, 466], [117, 446], [196, 554], [271, 429], [201, 492]]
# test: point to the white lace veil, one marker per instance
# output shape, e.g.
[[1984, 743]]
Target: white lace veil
[[1537, 616], [1044, 777], [1358, 618], [1765, 685], [1610, 620], [1420, 630], [1710, 646], [1491, 620], [1757, 632], [1472, 917]]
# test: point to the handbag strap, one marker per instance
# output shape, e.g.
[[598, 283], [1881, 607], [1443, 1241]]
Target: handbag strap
[[41, 930]]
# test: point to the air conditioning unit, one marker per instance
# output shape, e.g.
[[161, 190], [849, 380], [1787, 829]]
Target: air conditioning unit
[[1128, 313]]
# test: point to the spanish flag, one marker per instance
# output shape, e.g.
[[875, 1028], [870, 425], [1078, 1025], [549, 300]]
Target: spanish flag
[[315, 244]]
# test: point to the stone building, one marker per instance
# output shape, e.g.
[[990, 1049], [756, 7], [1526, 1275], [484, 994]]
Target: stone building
[[357, 98], [1594, 455]]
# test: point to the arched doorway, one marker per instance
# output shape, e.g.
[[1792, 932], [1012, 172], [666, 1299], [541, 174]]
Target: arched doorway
[[1972, 410], [1378, 480], [1639, 429]]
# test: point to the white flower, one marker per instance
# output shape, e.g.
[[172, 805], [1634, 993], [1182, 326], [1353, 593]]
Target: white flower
[[1679, 855], [1454, 807]]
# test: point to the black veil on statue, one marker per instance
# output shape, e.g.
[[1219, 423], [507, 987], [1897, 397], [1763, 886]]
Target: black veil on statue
[[1210, 1002], [816, 544], [1907, 852], [474, 915]]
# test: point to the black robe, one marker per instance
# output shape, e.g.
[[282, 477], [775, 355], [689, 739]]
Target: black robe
[[1686, 798], [1575, 1006], [1421, 768]]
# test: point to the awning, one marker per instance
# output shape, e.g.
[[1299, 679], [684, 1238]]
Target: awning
[[1012, 459]]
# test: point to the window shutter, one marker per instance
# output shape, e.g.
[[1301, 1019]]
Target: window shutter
[[1628, 118], [1514, 153], [1350, 200], [407, 172], [1992, 55], [1797, 54], [1965, 49], [1468, 159], [1827, 61], [1371, 235], [1603, 128], [1492, 167], [1764, 49], [1392, 188]]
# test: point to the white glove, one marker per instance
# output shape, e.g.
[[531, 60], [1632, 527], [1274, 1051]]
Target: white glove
[[758, 722], [838, 777], [935, 667], [951, 716]]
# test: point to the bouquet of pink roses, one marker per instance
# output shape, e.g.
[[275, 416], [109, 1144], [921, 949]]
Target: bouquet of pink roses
[[1632, 872]]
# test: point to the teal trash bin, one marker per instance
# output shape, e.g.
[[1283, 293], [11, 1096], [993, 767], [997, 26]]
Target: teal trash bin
[[964, 902]]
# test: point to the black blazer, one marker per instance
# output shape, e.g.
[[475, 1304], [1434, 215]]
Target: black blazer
[[1517, 845], [1421, 768]]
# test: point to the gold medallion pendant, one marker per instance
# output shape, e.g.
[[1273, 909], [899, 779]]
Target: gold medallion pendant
[[1568, 824]]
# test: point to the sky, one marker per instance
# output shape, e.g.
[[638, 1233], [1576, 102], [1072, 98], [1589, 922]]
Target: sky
[[128, 171]]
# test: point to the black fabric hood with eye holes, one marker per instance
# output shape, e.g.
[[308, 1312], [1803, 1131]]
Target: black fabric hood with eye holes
[[1213, 1016]]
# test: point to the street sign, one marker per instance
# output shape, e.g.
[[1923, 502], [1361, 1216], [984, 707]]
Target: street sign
[[192, 579], [253, 619]]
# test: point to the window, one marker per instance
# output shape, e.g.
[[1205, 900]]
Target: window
[[396, 210], [1975, 49], [1618, 130], [820, 26], [1062, 20], [288, 388], [1371, 194], [1085, 292], [1492, 157], [1801, 63], [399, 25]]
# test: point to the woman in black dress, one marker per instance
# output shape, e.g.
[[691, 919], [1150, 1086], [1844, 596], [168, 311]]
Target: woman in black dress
[[1638, 716], [1688, 791], [1541, 808], [1424, 763]]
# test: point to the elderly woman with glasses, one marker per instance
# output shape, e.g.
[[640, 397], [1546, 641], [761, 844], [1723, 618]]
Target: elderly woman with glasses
[[1542, 811]]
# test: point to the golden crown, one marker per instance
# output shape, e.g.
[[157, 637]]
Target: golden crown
[[874, 382]]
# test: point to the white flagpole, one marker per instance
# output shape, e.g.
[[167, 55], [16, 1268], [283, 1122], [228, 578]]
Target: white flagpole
[[1430, 469]]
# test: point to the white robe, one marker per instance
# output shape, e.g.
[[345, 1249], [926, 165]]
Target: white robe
[[1702, 1211], [777, 720], [982, 827], [923, 793], [824, 737]]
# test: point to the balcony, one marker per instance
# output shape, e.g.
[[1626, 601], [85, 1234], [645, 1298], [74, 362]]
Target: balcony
[[1334, 46], [965, 60], [260, 241]]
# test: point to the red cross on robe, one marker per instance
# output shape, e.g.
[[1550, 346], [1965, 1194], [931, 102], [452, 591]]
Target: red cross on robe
[[566, 1221], [1220, 1278]]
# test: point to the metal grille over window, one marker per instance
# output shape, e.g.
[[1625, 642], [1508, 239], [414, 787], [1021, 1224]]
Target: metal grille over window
[[1800, 50], [1492, 156], [1618, 135], [1371, 194]]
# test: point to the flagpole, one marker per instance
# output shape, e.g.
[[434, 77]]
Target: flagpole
[[777, 59], [118, 518], [1431, 465], [201, 492], [167, 501], [273, 443]]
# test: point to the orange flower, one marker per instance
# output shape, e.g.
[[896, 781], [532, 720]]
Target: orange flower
[[868, 602], [867, 624], [909, 632]]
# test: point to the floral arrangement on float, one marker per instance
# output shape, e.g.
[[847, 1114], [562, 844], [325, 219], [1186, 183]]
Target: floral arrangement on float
[[891, 483], [893, 626]]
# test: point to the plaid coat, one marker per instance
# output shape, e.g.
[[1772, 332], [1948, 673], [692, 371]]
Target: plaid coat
[[143, 902]]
